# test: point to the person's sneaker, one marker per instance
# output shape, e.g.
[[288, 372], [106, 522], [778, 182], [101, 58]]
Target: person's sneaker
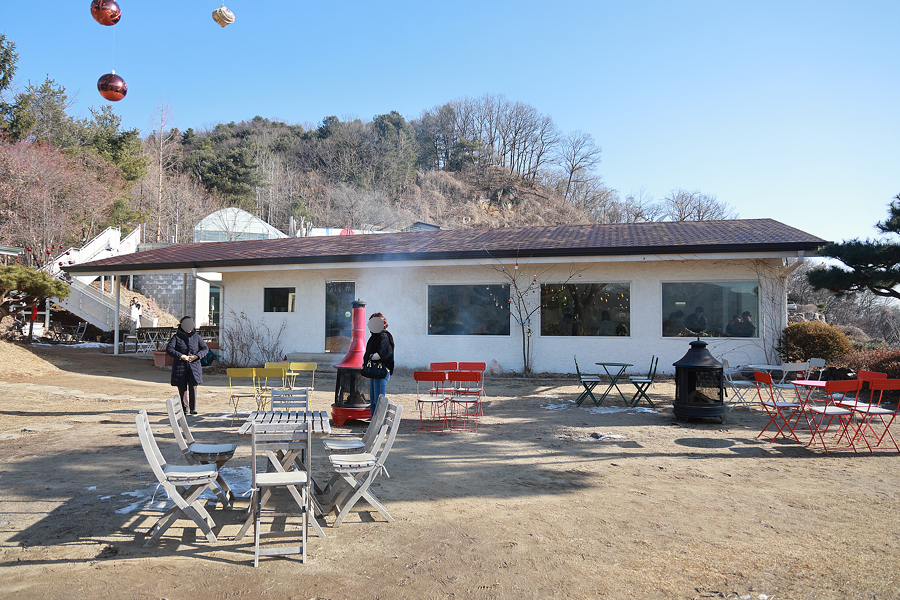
[[193, 412]]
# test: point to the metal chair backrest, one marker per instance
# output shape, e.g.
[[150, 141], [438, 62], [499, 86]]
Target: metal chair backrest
[[794, 367], [263, 375], [842, 386], [297, 367], [882, 385], [819, 364], [427, 376], [443, 366], [478, 367], [278, 365]]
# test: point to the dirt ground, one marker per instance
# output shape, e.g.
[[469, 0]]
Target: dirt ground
[[530, 506]]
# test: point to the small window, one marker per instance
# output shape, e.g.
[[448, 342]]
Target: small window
[[710, 309], [585, 309], [468, 310], [278, 299]]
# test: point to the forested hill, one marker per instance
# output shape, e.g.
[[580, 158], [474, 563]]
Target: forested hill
[[475, 162]]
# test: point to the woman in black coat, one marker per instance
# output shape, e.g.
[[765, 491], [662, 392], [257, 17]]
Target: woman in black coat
[[380, 347], [187, 348]]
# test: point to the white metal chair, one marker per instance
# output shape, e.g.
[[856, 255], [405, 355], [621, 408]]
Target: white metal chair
[[739, 388], [200, 454], [297, 399], [819, 364], [359, 470], [264, 481], [183, 484]]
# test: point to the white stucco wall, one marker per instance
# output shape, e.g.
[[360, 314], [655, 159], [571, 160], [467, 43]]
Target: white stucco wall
[[399, 290]]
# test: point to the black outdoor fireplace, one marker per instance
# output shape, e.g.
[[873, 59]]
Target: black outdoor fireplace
[[351, 389], [699, 385]]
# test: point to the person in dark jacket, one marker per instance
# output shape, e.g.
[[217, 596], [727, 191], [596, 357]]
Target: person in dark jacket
[[187, 348], [380, 347]]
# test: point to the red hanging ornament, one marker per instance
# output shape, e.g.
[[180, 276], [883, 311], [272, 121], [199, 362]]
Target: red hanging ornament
[[67, 253], [47, 250], [60, 264], [28, 249], [112, 87], [106, 12]]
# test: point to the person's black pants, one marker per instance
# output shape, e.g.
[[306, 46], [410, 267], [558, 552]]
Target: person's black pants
[[188, 393]]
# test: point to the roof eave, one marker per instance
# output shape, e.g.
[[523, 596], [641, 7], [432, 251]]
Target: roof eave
[[207, 265]]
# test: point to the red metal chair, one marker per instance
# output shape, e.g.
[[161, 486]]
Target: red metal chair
[[830, 408], [436, 402], [869, 411], [465, 400], [775, 408], [476, 367], [441, 366], [865, 376]]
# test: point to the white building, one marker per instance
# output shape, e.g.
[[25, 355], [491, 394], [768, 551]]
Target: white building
[[449, 295]]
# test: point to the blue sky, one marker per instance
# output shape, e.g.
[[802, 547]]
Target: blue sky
[[784, 109]]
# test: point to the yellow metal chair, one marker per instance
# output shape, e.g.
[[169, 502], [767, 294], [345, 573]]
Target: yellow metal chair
[[240, 389], [288, 380], [268, 379], [297, 368]]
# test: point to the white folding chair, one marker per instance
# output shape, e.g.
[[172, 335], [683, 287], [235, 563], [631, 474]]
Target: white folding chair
[[200, 454], [366, 443], [297, 399], [263, 481], [183, 484], [359, 470], [739, 388]]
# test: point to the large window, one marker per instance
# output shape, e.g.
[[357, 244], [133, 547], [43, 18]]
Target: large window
[[594, 309], [710, 309], [468, 310], [278, 299]]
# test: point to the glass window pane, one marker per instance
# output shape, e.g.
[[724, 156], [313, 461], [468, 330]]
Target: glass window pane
[[278, 299], [592, 309], [468, 310], [710, 309], [339, 296]]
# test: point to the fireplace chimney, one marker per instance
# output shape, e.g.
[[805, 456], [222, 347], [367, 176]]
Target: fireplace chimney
[[351, 388]]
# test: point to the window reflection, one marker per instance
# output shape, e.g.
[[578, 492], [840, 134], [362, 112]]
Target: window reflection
[[585, 309], [710, 309]]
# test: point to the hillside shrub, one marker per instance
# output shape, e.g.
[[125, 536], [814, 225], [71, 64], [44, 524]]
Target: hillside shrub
[[811, 339]]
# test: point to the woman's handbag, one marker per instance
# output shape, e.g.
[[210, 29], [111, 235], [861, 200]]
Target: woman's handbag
[[373, 369]]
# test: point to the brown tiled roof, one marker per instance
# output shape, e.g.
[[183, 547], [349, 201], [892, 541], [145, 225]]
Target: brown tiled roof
[[739, 235]]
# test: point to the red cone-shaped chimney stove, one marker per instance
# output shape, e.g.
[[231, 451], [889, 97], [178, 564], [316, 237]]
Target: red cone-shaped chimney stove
[[354, 357], [351, 388]]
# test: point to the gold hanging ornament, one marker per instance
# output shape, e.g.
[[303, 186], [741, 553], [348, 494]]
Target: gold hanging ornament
[[223, 16]]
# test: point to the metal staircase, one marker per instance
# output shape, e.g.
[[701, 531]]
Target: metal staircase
[[90, 303]]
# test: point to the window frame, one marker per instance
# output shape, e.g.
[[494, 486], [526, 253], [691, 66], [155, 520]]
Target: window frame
[[506, 311], [627, 283], [291, 306], [755, 312]]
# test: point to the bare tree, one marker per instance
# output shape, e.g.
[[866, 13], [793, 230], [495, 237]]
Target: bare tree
[[577, 156], [164, 148], [684, 205]]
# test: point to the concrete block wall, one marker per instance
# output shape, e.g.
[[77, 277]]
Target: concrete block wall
[[166, 288]]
